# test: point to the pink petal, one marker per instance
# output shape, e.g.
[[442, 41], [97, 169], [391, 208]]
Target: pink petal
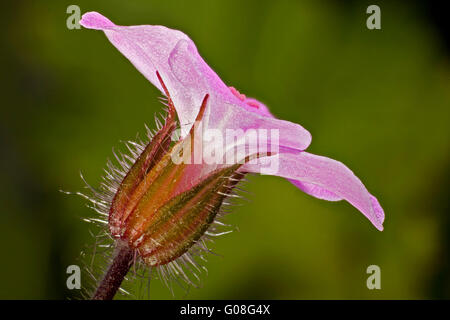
[[328, 179], [94, 20], [188, 79], [315, 191]]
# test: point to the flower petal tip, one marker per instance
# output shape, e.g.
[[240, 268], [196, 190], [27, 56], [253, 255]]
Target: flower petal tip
[[307, 138], [94, 20], [379, 213]]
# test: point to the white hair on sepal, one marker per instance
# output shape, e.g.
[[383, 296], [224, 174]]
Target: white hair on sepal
[[100, 254], [184, 272], [190, 266]]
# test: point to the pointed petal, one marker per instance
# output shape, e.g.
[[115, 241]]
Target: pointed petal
[[328, 179], [188, 79]]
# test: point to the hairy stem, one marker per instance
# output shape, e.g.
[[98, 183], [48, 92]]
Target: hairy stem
[[123, 259]]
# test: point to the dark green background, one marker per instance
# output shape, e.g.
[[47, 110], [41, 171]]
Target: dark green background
[[376, 100]]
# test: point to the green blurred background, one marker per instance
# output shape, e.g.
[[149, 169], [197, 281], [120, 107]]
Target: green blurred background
[[376, 100]]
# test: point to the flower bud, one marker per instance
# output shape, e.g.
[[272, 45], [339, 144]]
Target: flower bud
[[151, 214]]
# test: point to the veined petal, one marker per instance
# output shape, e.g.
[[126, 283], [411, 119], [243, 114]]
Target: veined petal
[[315, 191], [188, 79], [327, 179]]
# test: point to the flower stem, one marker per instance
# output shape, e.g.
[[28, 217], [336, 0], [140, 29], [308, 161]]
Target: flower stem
[[121, 263]]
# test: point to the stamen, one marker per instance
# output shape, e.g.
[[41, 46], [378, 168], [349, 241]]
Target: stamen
[[237, 94]]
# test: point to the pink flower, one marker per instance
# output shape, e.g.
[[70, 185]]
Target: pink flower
[[164, 201], [172, 54]]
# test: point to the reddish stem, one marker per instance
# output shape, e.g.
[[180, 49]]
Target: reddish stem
[[117, 271]]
